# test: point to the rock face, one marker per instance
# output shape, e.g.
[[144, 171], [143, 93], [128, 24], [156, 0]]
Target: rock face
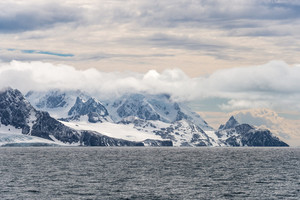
[[95, 111], [17, 112], [231, 123], [46, 126], [94, 139], [235, 134]]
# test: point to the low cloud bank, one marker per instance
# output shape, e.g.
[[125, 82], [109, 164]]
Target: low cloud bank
[[272, 85]]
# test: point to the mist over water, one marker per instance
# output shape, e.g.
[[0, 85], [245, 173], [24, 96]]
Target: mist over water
[[149, 173]]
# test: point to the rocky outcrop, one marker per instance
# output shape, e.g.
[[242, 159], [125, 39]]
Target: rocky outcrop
[[235, 134], [95, 111]]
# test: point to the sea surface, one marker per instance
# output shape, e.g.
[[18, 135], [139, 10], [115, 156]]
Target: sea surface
[[149, 173]]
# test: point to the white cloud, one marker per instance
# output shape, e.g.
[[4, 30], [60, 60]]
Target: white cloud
[[273, 85], [234, 104], [43, 76]]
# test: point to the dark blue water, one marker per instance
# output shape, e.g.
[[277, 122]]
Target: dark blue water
[[149, 173]]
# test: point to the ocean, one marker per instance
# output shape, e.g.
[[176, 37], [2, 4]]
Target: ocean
[[149, 173]]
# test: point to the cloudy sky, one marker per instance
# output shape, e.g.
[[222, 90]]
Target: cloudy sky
[[221, 56], [197, 36]]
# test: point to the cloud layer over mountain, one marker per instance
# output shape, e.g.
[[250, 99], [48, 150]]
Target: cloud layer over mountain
[[273, 85]]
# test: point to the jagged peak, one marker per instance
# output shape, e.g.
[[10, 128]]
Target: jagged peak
[[79, 100], [231, 123], [93, 100], [232, 119], [10, 94]]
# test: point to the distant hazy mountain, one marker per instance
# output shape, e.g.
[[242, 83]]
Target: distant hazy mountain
[[284, 128]]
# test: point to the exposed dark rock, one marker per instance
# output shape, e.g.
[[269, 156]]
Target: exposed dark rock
[[89, 138], [95, 111], [14, 109], [150, 142], [231, 123], [46, 125], [246, 135], [261, 138]]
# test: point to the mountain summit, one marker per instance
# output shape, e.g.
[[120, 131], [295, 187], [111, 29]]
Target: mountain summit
[[231, 123]]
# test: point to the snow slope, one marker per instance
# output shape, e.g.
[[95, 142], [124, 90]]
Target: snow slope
[[120, 131]]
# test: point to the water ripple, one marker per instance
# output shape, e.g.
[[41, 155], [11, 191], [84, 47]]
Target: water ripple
[[149, 173]]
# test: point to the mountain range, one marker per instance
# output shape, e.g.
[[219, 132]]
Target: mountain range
[[76, 118]]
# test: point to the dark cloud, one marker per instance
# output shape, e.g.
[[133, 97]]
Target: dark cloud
[[182, 42], [211, 47], [168, 14], [213, 13], [48, 53], [224, 15], [175, 42], [7, 55], [19, 18], [150, 14], [100, 56]]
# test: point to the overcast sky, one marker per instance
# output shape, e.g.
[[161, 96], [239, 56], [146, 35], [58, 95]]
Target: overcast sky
[[198, 37], [223, 56]]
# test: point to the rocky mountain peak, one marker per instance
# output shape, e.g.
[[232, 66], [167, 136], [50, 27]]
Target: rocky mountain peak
[[92, 108], [137, 105], [231, 123], [9, 94], [15, 109]]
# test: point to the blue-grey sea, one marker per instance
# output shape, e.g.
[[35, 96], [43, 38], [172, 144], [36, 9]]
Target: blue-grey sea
[[149, 173]]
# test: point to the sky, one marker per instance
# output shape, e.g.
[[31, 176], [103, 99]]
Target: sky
[[222, 57]]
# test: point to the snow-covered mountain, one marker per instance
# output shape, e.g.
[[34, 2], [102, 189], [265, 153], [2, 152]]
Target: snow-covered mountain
[[21, 123], [152, 107], [56, 102], [136, 116], [144, 117], [92, 108]]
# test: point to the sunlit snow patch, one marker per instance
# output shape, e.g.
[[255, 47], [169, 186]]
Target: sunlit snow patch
[[120, 131]]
